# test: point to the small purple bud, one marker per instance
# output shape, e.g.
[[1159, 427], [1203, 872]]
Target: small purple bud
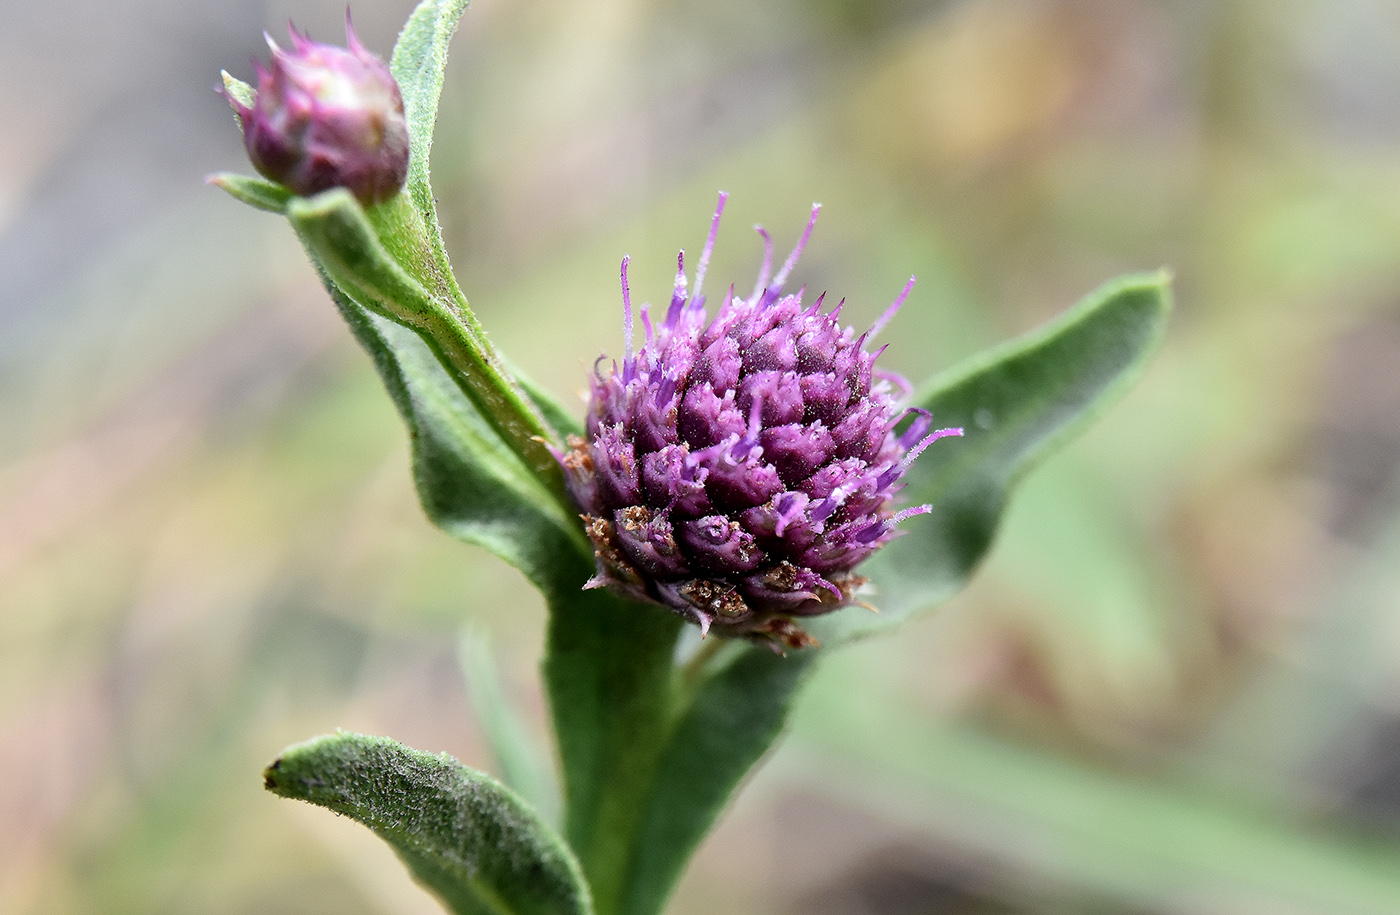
[[327, 117], [737, 469]]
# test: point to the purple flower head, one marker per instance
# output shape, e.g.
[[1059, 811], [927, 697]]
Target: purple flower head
[[327, 117], [737, 469]]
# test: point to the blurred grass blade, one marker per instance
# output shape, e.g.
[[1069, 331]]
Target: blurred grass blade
[[1016, 403], [1149, 844], [524, 766], [463, 835]]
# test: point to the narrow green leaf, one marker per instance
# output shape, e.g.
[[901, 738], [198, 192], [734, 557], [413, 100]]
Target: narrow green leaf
[[344, 243], [257, 192], [418, 63], [1016, 403], [522, 764], [470, 483], [464, 836]]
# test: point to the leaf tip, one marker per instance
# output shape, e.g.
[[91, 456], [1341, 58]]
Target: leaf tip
[[269, 774], [257, 193], [1158, 281]]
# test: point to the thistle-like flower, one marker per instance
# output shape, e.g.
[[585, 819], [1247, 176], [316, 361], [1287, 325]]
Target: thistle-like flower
[[327, 117], [736, 470]]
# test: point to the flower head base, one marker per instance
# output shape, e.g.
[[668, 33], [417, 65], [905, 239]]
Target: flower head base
[[327, 117], [736, 470]]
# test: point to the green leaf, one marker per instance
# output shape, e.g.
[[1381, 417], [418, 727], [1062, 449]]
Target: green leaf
[[257, 192], [343, 242], [464, 836], [1016, 403], [470, 483], [418, 64]]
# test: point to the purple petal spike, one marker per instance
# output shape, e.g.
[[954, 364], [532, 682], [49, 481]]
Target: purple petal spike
[[327, 117], [709, 246], [737, 469], [890, 312], [797, 250]]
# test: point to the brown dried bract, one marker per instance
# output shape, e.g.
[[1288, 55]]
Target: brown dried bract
[[715, 598], [780, 632]]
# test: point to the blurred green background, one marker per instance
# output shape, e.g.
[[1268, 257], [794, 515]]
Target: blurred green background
[[1175, 686]]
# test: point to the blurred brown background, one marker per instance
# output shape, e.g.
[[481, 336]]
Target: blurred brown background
[[1175, 686]]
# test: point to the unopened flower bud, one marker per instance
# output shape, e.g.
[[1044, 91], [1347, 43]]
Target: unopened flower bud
[[327, 117], [736, 470]]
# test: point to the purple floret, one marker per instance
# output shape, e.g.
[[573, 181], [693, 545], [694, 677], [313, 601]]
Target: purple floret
[[736, 470]]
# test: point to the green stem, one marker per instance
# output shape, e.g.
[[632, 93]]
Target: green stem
[[386, 261], [694, 671], [613, 692]]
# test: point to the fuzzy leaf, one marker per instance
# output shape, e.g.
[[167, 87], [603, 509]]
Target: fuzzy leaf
[[464, 836], [470, 483], [418, 64], [1016, 403]]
